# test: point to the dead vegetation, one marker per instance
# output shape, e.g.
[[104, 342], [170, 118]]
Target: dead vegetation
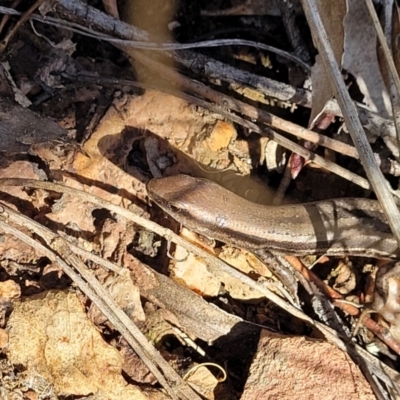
[[97, 300]]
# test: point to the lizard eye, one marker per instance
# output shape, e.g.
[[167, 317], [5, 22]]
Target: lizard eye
[[174, 208]]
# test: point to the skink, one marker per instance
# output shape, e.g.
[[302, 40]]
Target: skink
[[349, 226]]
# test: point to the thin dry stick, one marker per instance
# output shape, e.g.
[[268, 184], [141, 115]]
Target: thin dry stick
[[49, 236], [350, 308], [93, 290], [6, 17], [262, 116], [98, 260], [267, 87], [281, 124], [215, 264], [94, 18], [159, 46], [351, 118], [281, 140], [176, 387], [250, 111], [309, 155], [21, 21], [217, 267]]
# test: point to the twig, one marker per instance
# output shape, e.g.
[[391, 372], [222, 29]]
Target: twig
[[25, 17], [157, 46], [95, 292], [6, 17], [349, 111], [219, 70], [215, 265], [281, 140], [268, 87], [336, 299], [248, 110], [309, 155]]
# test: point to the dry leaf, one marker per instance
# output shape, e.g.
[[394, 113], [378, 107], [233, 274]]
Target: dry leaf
[[332, 14], [360, 57]]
